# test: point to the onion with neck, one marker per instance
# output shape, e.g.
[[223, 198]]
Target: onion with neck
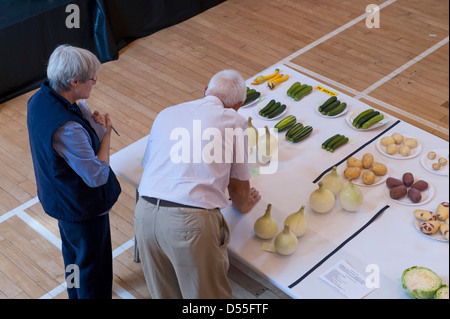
[[322, 199], [267, 146], [286, 242], [297, 222], [266, 227], [252, 135], [333, 181], [351, 197]]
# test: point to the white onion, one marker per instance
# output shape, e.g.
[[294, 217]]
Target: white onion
[[266, 227], [286, 242], [333, 181], [297, 222], [351, 197], [322, 199]]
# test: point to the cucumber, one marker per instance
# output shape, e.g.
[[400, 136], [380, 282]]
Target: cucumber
[[251, 97], [337, 110], [303, 92], [362, 114], [293, 87], [330, 107], [298, 89], [293, 130], [271, 109], [372, 121], [334, 142], [305, 132], [327, 102], [269, 105], [338, 144], [277, 111], [324, 144], [364, 119], [286, 123], [250, 91]]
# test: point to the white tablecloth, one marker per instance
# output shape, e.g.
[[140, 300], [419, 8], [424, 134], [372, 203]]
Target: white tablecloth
[[391, 242]]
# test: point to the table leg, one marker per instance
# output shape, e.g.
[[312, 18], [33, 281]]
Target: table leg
[[136, 250]]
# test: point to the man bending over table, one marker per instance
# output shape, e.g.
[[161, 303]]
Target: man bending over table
[[189, 162]]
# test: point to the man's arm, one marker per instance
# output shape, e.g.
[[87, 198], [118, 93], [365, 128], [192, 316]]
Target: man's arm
[[243, 198]]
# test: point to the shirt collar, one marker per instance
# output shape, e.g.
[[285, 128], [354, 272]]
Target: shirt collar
[[45, 87]]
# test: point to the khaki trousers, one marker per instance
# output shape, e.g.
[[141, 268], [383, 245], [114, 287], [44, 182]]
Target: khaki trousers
[[183, 251]]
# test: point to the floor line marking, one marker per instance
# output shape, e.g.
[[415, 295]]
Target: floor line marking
[[405, 66], [360, 95], [335, 32]]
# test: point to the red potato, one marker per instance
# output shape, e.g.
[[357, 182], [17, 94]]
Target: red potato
[[414, 195]]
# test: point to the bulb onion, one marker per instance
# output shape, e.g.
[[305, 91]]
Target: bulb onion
[[266, 227], [267, 144], [252, 135], [322, 199], [297, 222], [286, 242], [334, 181], [351, 197]]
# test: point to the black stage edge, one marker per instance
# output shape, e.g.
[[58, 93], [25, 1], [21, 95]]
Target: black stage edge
[[30, 30]]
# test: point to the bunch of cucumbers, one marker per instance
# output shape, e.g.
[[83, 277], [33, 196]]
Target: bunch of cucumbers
[[367, 118], [332, 107], [297, 91], [295, 131], [334, 142], [272, 109], [252, 95]]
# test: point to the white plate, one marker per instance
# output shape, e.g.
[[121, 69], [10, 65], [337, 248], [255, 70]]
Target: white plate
[[358, 181], [414, 151], [426, 197], [253, 102], [436, 236], [426, 162], [350, 117], [260, 107], [331, 117]]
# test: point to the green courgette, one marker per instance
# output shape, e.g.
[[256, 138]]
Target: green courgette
[[338, 144], [327, 102], [364, 119], [324, 144], [361, 115], [337, 110], [293, 87], [286, 123], [293, 130], [372, 121], [276, 112], [330, 107]]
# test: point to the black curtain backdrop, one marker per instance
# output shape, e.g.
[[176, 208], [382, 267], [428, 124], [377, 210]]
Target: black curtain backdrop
[[30, 30]]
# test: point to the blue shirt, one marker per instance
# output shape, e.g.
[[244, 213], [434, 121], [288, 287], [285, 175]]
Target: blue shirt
[[73, 143]]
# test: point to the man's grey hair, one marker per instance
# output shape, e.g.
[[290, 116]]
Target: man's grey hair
[[68, 63], [229, 86]]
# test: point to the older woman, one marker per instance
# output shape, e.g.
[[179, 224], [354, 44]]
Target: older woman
[[75, 185]]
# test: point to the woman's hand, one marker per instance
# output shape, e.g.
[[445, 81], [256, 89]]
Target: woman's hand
[[103, 119]]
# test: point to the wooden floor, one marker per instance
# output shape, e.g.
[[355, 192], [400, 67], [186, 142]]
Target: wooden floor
[[401, 68]]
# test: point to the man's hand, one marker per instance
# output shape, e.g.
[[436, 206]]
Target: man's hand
[[243, 197]]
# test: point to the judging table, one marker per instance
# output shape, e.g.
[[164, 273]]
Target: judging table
[[381, 235]]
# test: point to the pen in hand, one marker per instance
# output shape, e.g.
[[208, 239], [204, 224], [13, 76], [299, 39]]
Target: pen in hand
[[112, 127]]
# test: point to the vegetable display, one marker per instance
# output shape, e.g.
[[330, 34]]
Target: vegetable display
[[252, 95], [334, 142], [297, 91], [266, 227], [286, 123], [297, 222], [298, 132], [333, 181], [332, 107], [272, 109], [322, 199], [406, 186], [351, 197], [261, 79], [420, 282], [286, 242], [367, 118], [434, 221]]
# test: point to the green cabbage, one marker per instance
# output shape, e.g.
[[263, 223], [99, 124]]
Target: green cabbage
[[441, 293], [420, 282]]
